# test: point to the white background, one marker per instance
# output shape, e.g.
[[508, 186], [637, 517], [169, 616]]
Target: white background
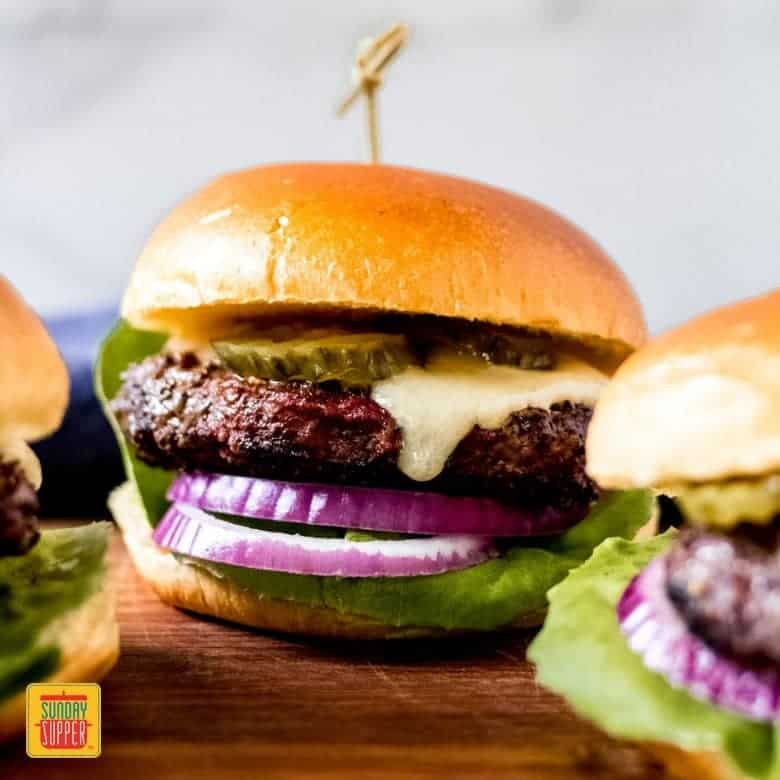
[[654, 125]]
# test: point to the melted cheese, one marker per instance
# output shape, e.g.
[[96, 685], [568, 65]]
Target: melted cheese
[[438, 405]]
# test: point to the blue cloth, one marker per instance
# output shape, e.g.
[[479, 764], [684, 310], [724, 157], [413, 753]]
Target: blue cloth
[[81, 462]]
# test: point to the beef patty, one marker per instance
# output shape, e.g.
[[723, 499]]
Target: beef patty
[[181, 414], [18, 511], [727, 588]]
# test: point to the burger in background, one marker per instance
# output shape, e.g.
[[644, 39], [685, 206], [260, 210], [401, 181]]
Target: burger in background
[[56, 615], [353, 399], [681, 634], [82, 451]]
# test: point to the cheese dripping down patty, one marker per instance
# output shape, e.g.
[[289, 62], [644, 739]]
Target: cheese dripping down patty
[[438, 405]]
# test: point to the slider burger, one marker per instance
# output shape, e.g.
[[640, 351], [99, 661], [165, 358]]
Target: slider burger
[[680, 636], [56, 615], [353, 399]]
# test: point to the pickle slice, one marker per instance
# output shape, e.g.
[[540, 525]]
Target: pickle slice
[[511, 350], [494, 345], [353, 359]]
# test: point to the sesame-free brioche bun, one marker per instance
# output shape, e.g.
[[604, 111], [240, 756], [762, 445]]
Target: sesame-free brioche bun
[[88, 639], [701, 403], [33, 378], [279, 239], [33, 382], [684, 764]]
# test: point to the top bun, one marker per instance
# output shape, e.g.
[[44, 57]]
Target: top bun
[[33, 379], [281, 238], [701, 403]]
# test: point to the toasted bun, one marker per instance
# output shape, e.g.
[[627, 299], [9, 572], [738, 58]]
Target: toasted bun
[[195, 589], [701, 403], [33, 378], [33, 382], [684, 764], [281, 238], [89, 645]]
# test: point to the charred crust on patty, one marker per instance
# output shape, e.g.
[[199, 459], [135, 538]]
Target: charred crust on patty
[[18, 511], [181, 414]]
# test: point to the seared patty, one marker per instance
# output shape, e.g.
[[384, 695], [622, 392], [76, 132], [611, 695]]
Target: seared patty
[[18, 511], [180, 414], [727, 588]]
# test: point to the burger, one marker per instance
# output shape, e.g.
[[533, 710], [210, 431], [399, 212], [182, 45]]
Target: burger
[[352, 401], [56, 613], [681, 635]]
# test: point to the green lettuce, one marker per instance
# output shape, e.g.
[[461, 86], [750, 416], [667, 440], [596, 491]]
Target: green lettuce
[[60, 573], [581, 654], [483, 597], [123, 346]]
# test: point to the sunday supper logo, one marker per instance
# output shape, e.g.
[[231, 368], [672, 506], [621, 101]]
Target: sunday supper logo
[[63, 721]]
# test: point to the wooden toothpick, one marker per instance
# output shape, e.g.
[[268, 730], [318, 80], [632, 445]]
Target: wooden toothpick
[[373, 56]]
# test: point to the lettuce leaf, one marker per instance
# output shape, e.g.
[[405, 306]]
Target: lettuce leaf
[[57, 575], [483, 597], [123, 346], [581, 654]]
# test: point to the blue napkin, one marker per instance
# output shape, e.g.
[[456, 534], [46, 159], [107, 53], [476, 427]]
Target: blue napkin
[[81, 461]]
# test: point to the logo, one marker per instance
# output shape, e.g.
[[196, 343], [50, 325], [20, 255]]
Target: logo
[[63, 721]]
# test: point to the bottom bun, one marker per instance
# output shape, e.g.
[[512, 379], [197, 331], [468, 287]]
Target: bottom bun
[[195, 589], [683, 765], [88, 639]]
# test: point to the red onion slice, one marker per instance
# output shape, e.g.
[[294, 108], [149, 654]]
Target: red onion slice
[[191, 531], [369, 509], [655, 630]]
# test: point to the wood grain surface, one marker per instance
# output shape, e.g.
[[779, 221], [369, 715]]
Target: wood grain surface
[[197, 699]]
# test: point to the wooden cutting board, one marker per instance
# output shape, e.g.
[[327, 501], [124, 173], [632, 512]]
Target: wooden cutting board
[[194, 699]]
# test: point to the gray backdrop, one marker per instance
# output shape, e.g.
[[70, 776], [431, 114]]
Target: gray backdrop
[[654, 125]]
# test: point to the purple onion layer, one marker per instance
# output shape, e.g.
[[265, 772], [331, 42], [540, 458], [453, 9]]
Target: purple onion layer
[[656, 631], [368, 509], [193, 532]]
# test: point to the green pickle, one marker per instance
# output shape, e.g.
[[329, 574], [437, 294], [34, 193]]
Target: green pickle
[[727, 504], [509, 350], [491, 344], [353, 359]]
